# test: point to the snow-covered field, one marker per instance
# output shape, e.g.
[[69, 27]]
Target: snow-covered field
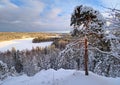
[[61, 77], [21, 44]]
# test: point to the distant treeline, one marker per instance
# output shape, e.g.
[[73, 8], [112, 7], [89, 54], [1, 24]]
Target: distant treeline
[[5, 36], [43, 39], [59, 42]]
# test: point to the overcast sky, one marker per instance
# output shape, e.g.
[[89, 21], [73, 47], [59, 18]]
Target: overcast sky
[[43, 15]]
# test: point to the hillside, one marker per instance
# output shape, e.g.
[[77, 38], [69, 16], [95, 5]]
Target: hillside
[[61, 77]]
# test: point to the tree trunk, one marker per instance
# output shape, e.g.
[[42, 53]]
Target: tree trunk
[[86, 57], [78, 64]]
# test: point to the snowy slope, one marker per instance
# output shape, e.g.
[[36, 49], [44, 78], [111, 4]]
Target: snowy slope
[[21, 44], [61, 77]]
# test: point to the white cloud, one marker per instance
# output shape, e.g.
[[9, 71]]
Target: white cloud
[[53, 20], [27, 17], [6, 3], [27, 13], [54, 13], [11, 14]]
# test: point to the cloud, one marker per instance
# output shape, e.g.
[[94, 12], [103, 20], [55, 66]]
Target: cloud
[[6, 3], [30, 16], [54, 13], [29, 12], [13, 17], [41, 15]]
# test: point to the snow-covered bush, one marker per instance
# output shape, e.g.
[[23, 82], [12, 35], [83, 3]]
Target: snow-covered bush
[[100, 62], [114, 32], [3, 70]]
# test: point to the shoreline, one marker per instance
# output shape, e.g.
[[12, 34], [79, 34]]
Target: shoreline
[[21, 44], [16, 39], [28, 38], [6, 43]]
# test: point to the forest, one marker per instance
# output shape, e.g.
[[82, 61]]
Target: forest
[[5, 36]]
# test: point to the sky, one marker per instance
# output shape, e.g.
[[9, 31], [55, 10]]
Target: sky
[[44, 15]]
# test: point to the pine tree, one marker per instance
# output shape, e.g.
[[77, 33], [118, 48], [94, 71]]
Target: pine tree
[[92, 23]]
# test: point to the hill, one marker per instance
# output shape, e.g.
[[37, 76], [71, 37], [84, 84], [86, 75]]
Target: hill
[[61, 77]]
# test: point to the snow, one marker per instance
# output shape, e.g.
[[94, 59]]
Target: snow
[[21, 44], [3, 64], [61, 77], [96, 22]]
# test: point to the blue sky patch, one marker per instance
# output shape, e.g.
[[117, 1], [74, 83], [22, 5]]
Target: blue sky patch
[[17, 2]]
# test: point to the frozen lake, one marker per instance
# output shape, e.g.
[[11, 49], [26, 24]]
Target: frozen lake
[[21, 44]]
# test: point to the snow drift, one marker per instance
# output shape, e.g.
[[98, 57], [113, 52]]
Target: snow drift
[[61, 77]]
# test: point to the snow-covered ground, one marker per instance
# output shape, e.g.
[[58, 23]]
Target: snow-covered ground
[[61, 77], [21, 44]]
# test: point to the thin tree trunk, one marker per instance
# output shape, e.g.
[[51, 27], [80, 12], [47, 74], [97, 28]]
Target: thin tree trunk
[[86, 57], [78, 64]]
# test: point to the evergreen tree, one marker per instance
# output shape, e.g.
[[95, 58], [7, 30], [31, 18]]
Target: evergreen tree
[[17, 60], [92, 23]]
